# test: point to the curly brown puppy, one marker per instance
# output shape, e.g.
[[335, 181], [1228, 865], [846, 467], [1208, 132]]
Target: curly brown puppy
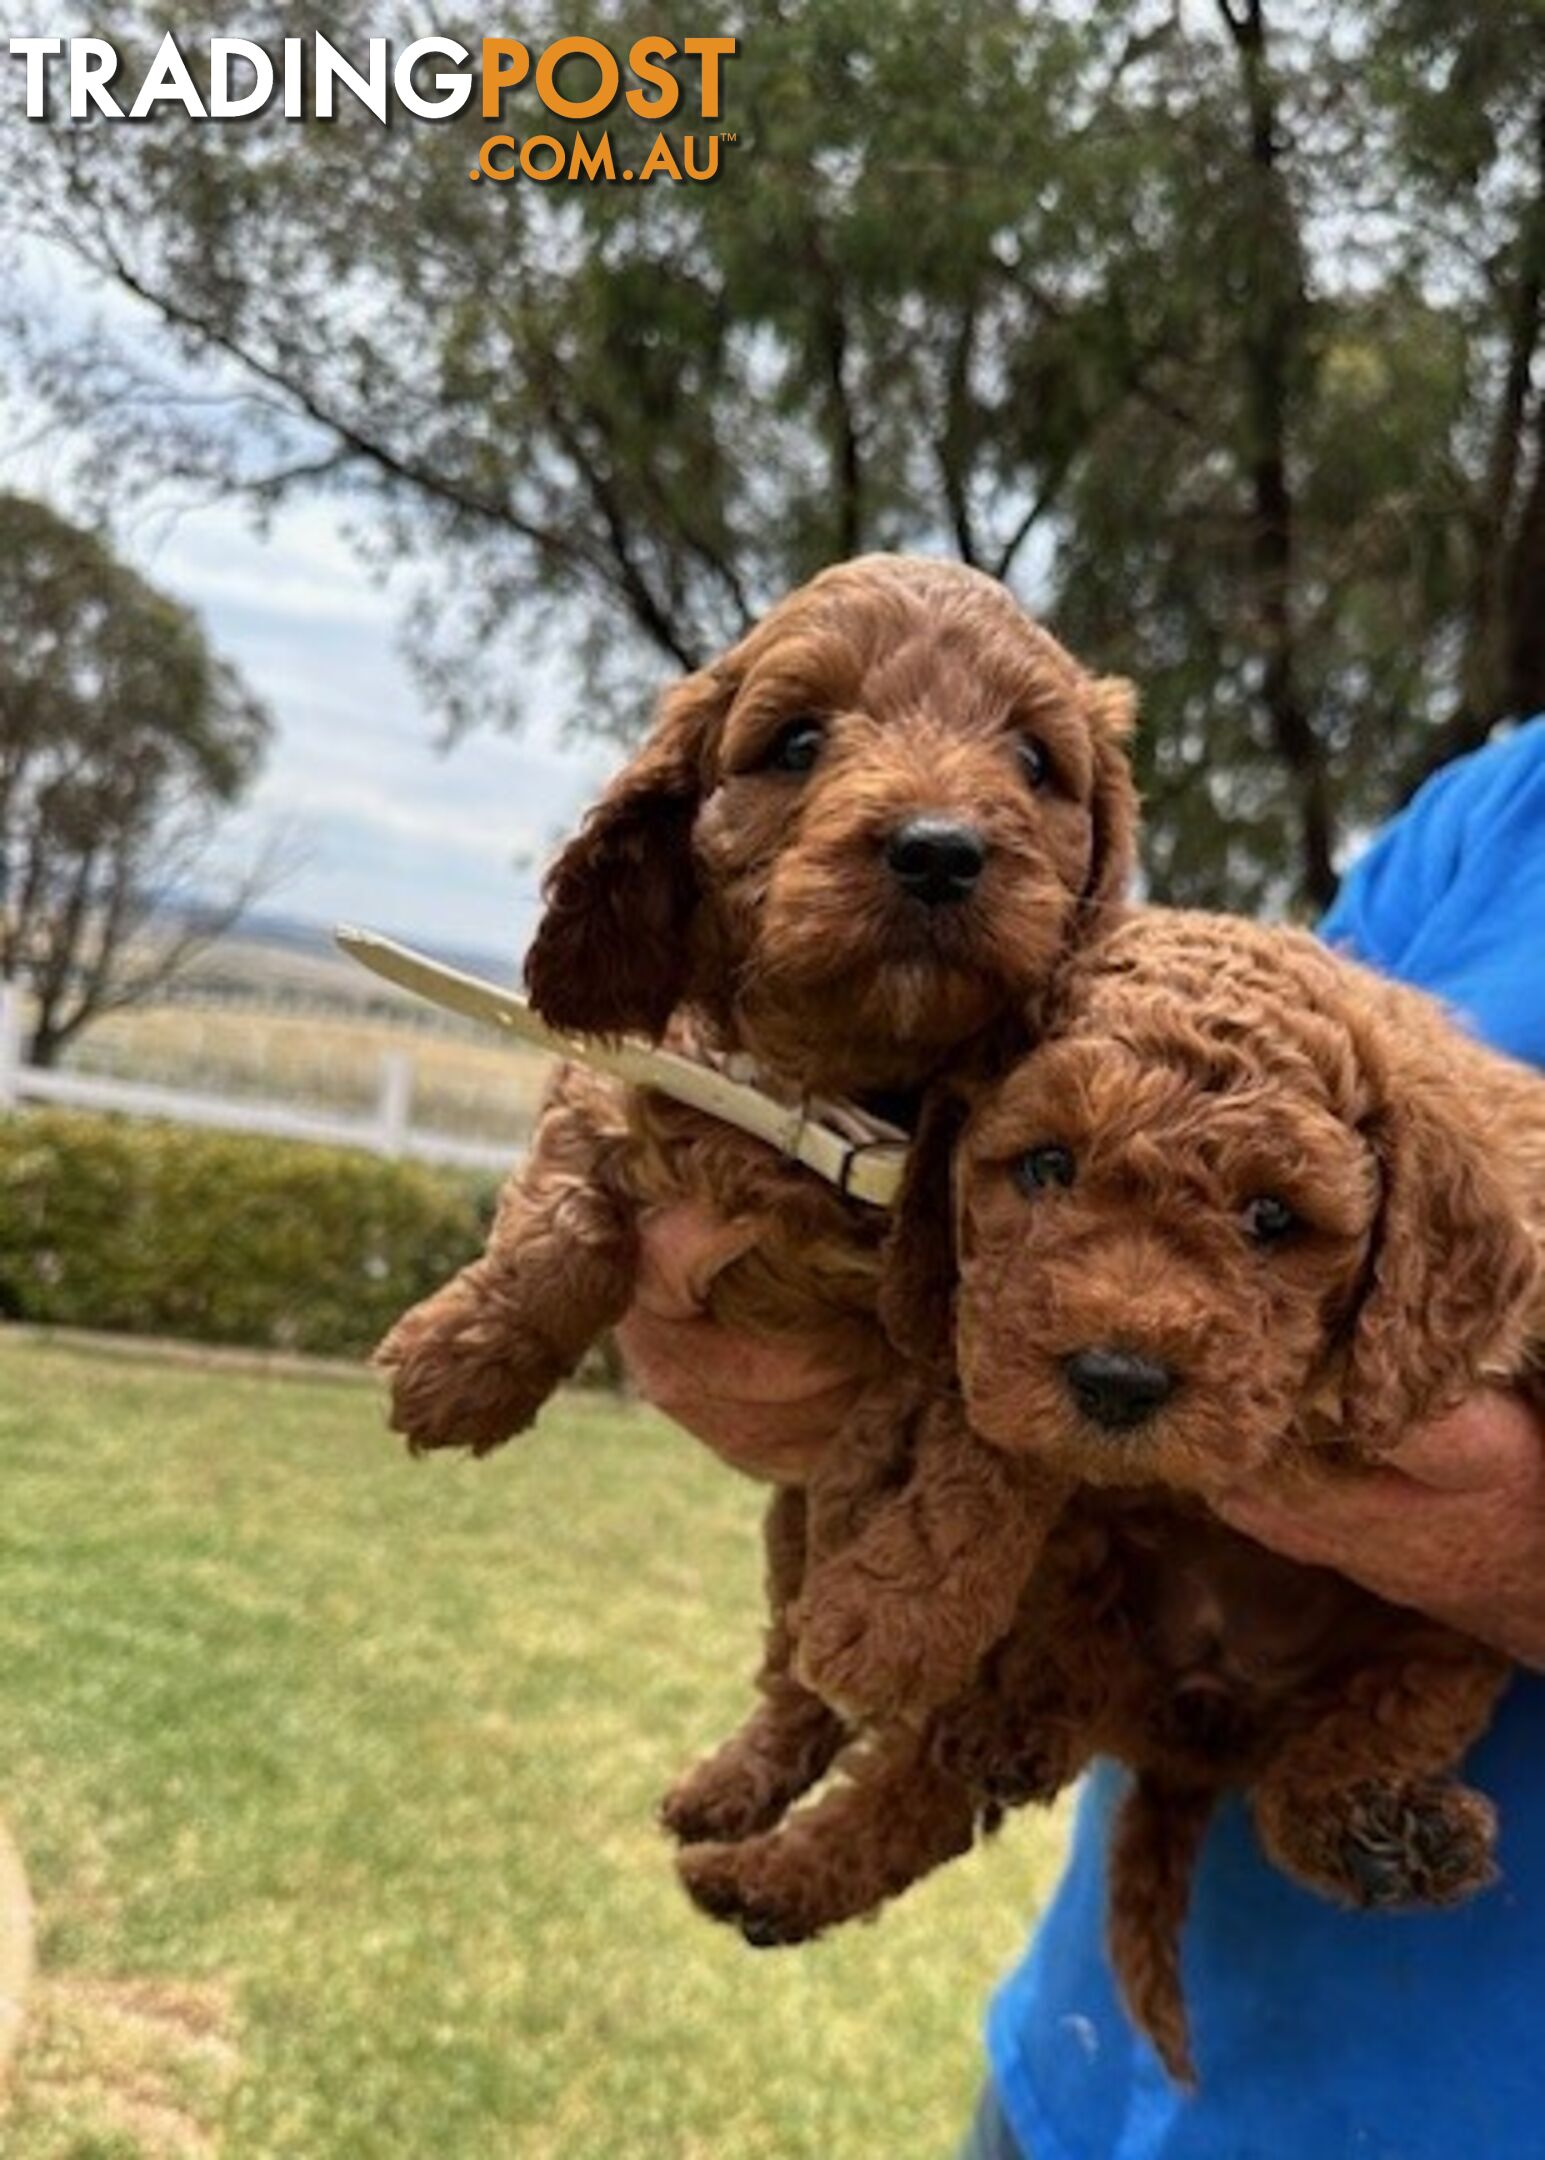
[[1249, 1204], [850, 848]]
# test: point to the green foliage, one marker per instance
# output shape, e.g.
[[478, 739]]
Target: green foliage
[[221, 1238], [122, 738], [346, 1765], [95, 660], [1219, 330]]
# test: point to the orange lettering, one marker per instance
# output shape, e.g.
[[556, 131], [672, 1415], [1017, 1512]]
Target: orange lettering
[[506, 62]]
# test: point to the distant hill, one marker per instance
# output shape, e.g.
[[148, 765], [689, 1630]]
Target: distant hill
[[265, 927], [288, 962]]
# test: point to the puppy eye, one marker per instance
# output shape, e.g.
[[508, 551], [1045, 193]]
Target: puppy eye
[[1034, 760], [1269, 1220], [1040, 1167], [796, 746]]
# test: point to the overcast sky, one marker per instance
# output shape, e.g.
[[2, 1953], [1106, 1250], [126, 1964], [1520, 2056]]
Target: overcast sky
[[389, 830]]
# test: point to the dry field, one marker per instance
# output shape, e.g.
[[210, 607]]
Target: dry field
[[471, 1084], [293, 1021]]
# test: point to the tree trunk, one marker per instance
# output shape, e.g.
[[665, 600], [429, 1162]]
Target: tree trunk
[[1503, 668], [1273, 352], [43, 1049], [847, 462], [1524, 678]]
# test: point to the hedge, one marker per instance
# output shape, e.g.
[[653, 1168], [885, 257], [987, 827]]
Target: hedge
[[223, 1238]]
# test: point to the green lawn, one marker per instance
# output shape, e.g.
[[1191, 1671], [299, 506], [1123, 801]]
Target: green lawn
[[334, 1774]]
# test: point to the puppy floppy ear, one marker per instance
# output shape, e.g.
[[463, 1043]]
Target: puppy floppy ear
[[1113, 806], [918, 1266], [611, 950], [1451, 1270]]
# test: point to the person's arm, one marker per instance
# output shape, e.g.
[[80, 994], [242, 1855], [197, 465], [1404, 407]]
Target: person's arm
[[1453, 1523], [766, 1407]]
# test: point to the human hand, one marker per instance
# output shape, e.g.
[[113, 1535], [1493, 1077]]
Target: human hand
[[1451, 1522], [768, 1408]]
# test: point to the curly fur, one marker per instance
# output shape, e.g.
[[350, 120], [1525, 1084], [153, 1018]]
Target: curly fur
[[751, 910], [1195, 1064]]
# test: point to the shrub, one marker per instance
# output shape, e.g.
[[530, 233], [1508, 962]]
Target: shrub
[[225, 1238]]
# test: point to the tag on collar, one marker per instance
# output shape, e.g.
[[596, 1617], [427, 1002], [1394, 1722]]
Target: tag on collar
[[862, 1156]]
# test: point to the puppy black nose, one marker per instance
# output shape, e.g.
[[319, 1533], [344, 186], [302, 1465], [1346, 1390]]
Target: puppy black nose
[[935, 859], [1117, 1388]]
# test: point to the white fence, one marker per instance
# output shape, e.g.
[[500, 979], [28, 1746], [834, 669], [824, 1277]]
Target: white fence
[[387, 1130]]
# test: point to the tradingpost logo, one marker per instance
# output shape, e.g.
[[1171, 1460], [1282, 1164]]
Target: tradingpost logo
[[572, 80]]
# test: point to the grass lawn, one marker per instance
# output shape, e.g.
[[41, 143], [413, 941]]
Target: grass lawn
[[334, 1777]]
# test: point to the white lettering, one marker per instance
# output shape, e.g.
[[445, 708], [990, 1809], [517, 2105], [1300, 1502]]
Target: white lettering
[[224, 103], [36, 51], [294, 80], [168, 79], [454, 89], [88, 83], [331, 65]]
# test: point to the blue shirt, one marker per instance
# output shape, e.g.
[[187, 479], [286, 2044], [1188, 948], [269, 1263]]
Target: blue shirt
[[1322, 2034]]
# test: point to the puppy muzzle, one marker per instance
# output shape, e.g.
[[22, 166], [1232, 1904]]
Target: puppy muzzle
[[1118, 1390]]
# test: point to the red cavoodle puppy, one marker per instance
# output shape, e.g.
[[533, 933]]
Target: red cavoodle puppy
[[851, 848], [1249, 1204]]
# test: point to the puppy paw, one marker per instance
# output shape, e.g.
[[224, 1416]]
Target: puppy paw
[[454, 1384], [724, 1803], [1014, 1766], [1425, 1843], [1387, 1847], [733, 1884]]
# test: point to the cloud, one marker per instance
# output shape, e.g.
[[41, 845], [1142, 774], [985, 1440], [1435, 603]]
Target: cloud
[[393, 830]]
